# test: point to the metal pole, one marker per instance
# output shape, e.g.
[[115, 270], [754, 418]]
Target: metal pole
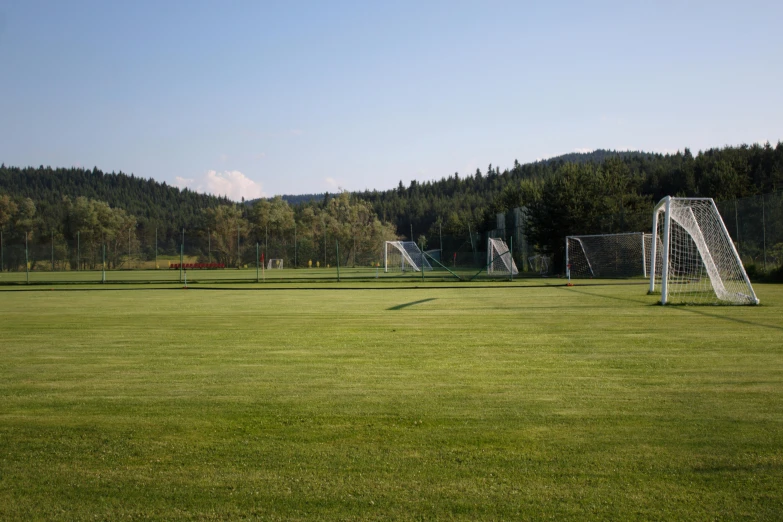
[[764, 231], [181, 255], [411, 231], [156, 247], [129, 248], [103, 275], [266, 240], [78, 252], [52, 250], [337, 250], [2, 257], [26, 259], [238, 258], [294, 244], [324, 223], [440, 233], [209, 244], [511, 253], [256, 261]]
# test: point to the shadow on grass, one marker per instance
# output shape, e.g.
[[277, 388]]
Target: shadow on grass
[[694, 309], [406, 305]]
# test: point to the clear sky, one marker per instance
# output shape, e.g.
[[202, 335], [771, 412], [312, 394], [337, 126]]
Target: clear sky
[[262, 98]]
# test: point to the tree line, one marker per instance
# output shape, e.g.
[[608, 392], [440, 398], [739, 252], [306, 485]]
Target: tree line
[[580, 193]]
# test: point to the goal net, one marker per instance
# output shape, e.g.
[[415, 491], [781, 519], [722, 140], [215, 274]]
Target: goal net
[[499, 259], [274, 263], [698, 260], [539, 264], [608, 255], [404, 256]]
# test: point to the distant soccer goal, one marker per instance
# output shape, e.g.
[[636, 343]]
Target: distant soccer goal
[[499, 259], [274, 263], [698, 260], [404, 256], [608, 255], [539, 264]]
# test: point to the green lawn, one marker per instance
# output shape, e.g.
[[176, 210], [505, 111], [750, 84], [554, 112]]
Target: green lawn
[[529, 400]]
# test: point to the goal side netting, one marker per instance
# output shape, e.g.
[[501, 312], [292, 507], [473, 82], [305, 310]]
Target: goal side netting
[[500, 262], [608, 255], [698, 260], [404, 256], [274, 263]]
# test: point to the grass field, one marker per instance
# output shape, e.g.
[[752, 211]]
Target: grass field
[[525, 400]]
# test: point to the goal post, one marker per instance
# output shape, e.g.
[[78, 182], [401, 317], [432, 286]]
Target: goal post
[[274, 263], [696, 260], [500, 262], [404, 256], [608, 255]]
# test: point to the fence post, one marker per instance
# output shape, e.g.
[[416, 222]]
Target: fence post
[[511, 253], [26, 259], [764, 230]]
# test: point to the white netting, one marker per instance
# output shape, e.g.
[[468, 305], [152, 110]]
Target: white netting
[[499, 259], [608, 255], [404, 256], [703, 265], [539, 264], [274, 263]]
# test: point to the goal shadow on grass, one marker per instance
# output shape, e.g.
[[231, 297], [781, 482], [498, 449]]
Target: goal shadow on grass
[[412, 303], [694, 309]]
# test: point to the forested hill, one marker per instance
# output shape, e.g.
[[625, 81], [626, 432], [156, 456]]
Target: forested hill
[[154, 204], [461, 203]]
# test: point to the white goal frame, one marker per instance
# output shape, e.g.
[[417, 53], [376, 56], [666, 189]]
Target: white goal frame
[[500, 262], [539, 263], [274, 264], [619, 246], [411, 258], [711, 251]]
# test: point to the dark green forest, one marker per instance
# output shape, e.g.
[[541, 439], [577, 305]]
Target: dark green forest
[[579, 193]]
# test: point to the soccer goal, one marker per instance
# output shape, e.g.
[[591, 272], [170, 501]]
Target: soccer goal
[[274, 263], [698, 260], [608, 255], [539, 264], [500, 262], [404, 256]]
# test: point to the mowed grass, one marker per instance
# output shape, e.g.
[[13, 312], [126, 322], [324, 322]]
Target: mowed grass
[[505, 401]]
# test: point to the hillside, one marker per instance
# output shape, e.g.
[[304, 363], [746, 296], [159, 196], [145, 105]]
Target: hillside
[[154, 204]]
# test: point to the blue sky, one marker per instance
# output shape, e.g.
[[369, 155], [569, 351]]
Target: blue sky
[[261, 98]]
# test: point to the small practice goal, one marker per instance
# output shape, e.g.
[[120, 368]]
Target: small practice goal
[[698, 260], [274, 263], [404, 256], [539, 264], [608, 255], [500, 262]]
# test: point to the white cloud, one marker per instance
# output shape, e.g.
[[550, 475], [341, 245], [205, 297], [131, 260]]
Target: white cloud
[[332, 183], [230, 183]]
